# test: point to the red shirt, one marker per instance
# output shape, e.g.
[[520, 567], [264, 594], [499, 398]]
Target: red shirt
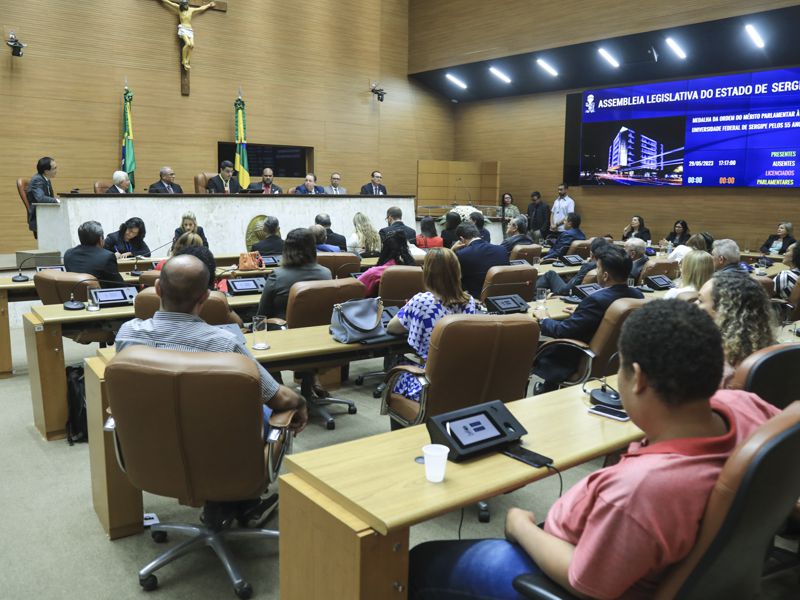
[[429, 242], [632, 520]]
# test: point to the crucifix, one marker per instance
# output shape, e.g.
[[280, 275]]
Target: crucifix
[[185, 9]]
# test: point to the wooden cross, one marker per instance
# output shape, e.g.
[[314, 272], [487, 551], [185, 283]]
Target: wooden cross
[[221, 6]]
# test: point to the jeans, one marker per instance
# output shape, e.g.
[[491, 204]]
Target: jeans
[[468, 569]]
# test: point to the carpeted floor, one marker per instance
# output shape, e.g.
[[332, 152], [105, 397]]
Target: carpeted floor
[[55, 548]]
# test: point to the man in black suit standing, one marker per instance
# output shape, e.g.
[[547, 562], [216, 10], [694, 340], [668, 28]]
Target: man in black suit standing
[[476, 257], [265, 186], [121, 183], [375, 187], [334, 239], [166, 183], [394, 217], [90, 257], [40, 189], [225, 182]]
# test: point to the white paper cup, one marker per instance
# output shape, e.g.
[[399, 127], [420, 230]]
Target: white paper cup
[[435, 461]]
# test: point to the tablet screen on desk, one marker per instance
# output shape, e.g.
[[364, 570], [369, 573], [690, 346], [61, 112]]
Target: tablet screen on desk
[[245, 284], [473, 430], [110, 296]]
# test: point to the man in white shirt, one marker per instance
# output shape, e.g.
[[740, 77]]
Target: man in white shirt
[[562, 206]]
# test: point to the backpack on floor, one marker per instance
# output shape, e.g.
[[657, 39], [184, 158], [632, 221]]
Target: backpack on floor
[[77, 430]]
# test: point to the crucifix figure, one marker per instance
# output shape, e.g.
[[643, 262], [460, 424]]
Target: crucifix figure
[[185, 32]]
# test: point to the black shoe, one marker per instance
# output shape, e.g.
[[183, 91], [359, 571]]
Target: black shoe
[[254, 513]]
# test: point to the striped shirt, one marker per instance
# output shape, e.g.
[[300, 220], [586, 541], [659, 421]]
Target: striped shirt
[[785, 282], [187, 333]]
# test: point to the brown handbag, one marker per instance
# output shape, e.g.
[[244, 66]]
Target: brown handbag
[[249, 261]]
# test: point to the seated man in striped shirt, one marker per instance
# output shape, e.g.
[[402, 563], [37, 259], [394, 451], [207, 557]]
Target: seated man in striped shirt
[[183, 288]]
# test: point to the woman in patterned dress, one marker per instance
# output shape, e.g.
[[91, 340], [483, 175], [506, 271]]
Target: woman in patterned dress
[[441, 274]]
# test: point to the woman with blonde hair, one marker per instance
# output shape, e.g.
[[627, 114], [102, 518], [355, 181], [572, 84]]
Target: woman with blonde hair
[[697, 267], [441, 274], [364, 240], [741, 309], [189, 225]]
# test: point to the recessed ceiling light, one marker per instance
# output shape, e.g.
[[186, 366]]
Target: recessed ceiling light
[[676, 48], [457, 81], [547, 67], [611, 60], [751, 31], [499, 74]]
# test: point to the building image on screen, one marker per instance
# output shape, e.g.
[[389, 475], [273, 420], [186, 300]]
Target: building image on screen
[[633, 152]]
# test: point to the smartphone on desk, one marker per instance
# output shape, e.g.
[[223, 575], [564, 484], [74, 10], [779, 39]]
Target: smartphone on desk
[[529, 457], [610, 413]]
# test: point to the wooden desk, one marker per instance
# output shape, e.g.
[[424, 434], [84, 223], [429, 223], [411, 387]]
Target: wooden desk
[[346, 509], [44, 345], [117, 504]]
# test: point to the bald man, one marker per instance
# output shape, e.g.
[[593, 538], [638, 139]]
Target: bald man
[[183, 288], [166, 183]]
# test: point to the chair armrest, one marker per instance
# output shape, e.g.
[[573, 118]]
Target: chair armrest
[[391, 377], [578, 344], [397, 369], [281, 419], [541, 587]]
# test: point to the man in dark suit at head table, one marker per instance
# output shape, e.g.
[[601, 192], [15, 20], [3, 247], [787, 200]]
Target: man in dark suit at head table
[[476, 256], [225, 182], [394, 217], [121, 183], [613, 270], [40, 189], [166, 183], [374, 187], [309, 186], [90, 257], [265, 186]]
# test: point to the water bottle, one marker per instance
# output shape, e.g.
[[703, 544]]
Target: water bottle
[[669, 248]]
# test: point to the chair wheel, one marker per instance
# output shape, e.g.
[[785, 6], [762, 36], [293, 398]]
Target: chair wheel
[[149, 583], [352, 409], [484, 516], [243, 590], [377, 393], [359, 380], [330, 424], [159, 537]]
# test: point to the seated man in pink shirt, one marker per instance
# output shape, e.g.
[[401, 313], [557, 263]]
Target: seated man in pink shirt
[[615, 532]]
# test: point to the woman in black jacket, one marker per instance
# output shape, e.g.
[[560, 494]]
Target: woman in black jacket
[[679, 234], [451, 221], [636, 229], [779, 243], [189, 225], [129, 240]]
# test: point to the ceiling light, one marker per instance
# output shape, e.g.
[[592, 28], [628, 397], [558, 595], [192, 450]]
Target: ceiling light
[[457, 81], [751, 31], [676, 48], [500, 75], [611, 60], [547, 67]]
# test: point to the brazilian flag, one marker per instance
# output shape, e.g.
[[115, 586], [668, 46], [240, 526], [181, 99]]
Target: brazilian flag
[[128, 156], [240, 164]]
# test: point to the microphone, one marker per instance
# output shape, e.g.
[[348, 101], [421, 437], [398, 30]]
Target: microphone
[[73, 304], [606, 395], [19, 277]]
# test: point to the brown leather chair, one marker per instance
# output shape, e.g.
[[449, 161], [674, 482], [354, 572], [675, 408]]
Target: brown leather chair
[[399, 284], [755, 491], [340, 264], [510, 279], [772, 373], [471, 359], [215, 310], [597, 354], [581, 248], [201, 182], [190, 426], [659, 266], [148, 278], [56, 287], [291, 190], [527, 252], [22, 190], [101, 185], [590, 277], [311, 303]]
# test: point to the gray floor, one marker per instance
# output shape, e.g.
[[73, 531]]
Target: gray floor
[[54, 547]]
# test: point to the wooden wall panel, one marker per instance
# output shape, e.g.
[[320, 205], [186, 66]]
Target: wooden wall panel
[[451, 32], [305, 74], [464, 182], [526, 134]]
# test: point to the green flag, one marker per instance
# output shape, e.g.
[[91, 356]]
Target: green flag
[[240, 165], [128, 156]]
